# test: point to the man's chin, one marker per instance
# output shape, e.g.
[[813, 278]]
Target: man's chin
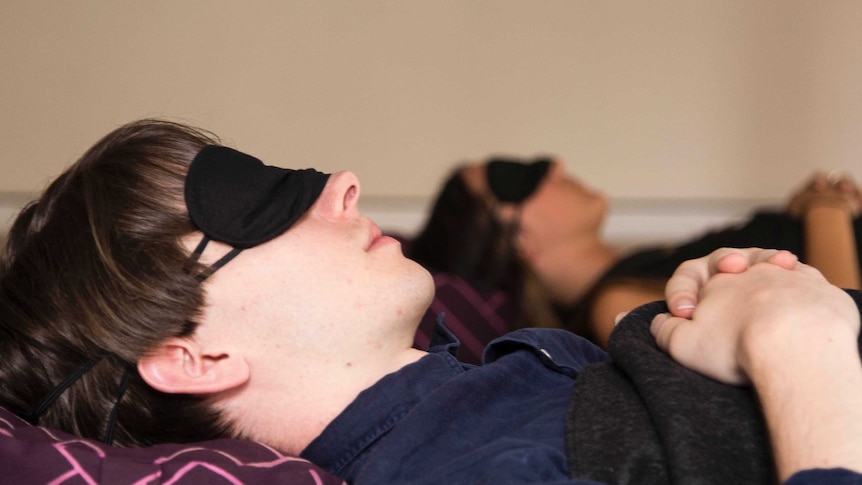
[[421, 285]]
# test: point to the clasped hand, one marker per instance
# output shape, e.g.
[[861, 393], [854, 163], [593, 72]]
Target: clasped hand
[[823, 190], [739, 308]]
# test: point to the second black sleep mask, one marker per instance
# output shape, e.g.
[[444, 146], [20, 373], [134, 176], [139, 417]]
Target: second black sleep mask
[[234, 198], [512, 180]]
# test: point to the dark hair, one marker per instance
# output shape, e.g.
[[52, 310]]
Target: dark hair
[[94, 271], [463, 236]]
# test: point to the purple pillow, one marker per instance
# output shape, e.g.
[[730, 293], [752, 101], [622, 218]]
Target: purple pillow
[[476, 317], [37, 455]]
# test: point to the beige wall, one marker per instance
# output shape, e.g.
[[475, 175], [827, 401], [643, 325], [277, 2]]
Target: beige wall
[[720, 99]]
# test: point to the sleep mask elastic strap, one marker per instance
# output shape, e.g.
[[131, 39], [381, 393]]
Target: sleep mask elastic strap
[[115, 409], [36, 413], [196, 254]]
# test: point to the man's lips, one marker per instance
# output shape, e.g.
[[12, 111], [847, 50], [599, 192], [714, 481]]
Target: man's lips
[[376, 238], [376, 234]]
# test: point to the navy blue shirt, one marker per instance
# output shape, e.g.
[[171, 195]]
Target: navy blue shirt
[[441, 421]]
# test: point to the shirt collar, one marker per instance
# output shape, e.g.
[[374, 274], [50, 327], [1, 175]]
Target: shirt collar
[[442, 339], [380, 407]]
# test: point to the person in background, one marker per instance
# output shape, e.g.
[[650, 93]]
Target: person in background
[[515, 243]]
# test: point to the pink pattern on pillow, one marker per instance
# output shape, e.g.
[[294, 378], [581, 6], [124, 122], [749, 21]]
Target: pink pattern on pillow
[[475, 317], [487, 307], [77, 469], [32, 454]]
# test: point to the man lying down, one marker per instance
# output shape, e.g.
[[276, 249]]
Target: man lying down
[[168, 289]]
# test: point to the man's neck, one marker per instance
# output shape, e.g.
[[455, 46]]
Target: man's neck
[[290, 412]]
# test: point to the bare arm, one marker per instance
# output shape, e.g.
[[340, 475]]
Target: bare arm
[[830, 244], [827, 208], [616, 299]]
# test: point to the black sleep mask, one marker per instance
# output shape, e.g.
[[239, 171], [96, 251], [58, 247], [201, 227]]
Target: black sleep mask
[[511, 180], [236, 199]]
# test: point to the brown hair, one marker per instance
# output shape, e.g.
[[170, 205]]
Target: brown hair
[[94, 271], [464, 236]]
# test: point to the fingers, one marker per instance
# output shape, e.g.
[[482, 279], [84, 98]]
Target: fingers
[[730, 262], [681, 292], [705, 352], [770, 289], [685, 284], [820, 181], [845, 185], [849, 191], [666, 329], [830, 189], [827, 189], [800, 198], [784, 259], [661, 328], [682, 288]]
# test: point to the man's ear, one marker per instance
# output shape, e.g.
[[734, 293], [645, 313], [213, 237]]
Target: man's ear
[[179, 366]]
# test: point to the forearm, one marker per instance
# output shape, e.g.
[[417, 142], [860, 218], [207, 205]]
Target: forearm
[[830, 244], [810, 387]]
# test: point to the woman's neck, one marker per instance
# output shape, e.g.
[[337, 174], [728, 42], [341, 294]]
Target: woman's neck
[[568, 270]]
